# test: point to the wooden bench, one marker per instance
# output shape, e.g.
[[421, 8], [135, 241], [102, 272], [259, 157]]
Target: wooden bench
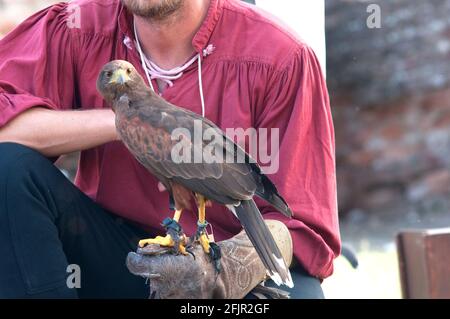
[[424, 261]]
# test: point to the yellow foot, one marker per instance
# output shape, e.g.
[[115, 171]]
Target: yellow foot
[[166, 241], [204, 241]]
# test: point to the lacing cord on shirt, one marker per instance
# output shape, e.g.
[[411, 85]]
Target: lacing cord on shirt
[[152, 71]]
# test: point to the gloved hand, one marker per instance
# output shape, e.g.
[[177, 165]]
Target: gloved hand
[[186, 277]]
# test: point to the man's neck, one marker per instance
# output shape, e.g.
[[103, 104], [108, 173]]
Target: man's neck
[[168, 42]]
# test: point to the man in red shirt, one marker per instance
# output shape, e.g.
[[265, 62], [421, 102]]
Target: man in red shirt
[[244, 71]]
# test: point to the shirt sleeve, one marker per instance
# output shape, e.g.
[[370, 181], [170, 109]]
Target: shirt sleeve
[[297, 104], [37, 64]]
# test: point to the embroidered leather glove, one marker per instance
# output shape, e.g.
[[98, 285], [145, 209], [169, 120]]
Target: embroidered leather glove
[[195, 277]]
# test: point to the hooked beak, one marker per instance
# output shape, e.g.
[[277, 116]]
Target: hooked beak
[[119, 77]]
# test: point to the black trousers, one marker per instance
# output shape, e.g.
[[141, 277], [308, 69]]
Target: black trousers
[[51, 234]]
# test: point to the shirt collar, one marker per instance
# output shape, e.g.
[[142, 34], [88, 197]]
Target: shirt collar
[[201, 38], [203, 35]]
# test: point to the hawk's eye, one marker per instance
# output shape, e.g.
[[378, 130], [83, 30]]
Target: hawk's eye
[[109, 74], [128, 71]]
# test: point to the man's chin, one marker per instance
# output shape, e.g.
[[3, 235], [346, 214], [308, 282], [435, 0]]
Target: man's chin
[[153, 9]]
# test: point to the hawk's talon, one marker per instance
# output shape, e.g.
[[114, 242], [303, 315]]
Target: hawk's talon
[[166, 241], [189, 250], [215, 254], [175, 237]]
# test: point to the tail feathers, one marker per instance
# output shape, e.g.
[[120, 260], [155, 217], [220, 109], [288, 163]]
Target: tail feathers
[[270, 193], [261, 238]]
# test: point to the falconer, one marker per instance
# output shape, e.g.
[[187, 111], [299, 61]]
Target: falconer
[[222, 59]]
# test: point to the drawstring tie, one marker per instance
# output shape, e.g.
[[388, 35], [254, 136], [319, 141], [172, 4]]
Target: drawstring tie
[[152, 71]]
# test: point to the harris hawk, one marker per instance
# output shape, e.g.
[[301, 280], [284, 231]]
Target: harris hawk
[[145, 123]]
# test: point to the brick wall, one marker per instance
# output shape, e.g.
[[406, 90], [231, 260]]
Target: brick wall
[[391, 102]]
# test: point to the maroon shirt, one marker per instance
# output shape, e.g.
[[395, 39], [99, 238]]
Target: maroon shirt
[[259, 75]]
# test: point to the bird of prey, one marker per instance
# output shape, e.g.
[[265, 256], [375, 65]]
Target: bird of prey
[[145, 123]]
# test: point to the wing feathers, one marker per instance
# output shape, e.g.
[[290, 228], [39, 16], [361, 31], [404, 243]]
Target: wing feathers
[[147, 131]]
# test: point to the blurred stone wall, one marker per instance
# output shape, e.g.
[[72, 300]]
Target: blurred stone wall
[[390, 94], [408, 54]]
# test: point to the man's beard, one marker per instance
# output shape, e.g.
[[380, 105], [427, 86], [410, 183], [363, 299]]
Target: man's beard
[[153, 9]]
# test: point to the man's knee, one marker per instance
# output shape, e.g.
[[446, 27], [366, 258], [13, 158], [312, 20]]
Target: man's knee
[[26, 176], [18, 163], [10, 153]]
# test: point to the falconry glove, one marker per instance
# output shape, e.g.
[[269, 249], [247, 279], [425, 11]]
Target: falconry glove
[[178, 276]]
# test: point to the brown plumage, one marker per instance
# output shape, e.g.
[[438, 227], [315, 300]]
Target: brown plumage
[[145, 123]]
